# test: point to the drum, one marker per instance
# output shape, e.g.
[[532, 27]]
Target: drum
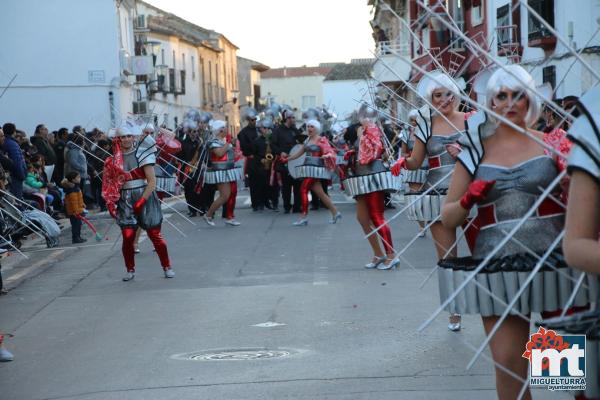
[[292, 164]]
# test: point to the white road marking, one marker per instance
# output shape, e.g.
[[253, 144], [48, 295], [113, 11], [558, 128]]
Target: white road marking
[[269, 324]]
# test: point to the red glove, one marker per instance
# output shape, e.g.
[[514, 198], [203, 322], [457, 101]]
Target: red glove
[[476, 192], [112, 210], [349, 154], [397, 167], [137, 207]]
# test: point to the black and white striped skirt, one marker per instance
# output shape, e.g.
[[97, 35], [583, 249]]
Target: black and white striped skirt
[[414, 176], [426, 208], [311, 171], [165, 184], [549, 290], [223, 176], [377, 182]]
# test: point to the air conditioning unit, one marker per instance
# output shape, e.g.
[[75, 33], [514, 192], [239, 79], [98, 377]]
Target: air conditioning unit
[[140, 107], [125, 61]]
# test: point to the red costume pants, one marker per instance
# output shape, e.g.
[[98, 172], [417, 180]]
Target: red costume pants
[[304, 189], [376, 206], [160, 245], [230, 204]]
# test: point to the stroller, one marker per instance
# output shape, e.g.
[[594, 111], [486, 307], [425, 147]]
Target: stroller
[[16, 224]]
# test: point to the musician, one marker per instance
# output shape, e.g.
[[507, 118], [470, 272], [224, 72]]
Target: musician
[[262, 164], [283, 139], [246, 137], [223, 173], [319, 164], [128, 188], [206, 191], [191, 145]]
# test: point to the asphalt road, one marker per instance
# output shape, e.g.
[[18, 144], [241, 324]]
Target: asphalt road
[[261, 311]]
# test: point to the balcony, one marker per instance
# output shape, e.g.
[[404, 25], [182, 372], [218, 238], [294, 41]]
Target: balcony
[[392, 64], [538, 35]]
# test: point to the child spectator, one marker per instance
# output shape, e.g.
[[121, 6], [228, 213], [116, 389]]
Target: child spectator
[[33, 185], [74, 204]]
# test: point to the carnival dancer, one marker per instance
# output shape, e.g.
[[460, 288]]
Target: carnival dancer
[[319, 163], [222, 172], [505, 172], [368, 181], [438, 131], [581, 246], [128, 188], [413, 178], [246, 138]]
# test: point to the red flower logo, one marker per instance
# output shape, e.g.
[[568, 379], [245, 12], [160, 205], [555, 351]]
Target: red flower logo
[[543, 340]]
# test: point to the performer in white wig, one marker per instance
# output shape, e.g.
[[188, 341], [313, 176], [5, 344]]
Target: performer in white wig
[[319, 163], [504, 172], [222, 172], [369, 179], [437, 133], [417, 177]]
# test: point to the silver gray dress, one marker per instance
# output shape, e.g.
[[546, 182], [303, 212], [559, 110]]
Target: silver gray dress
[[144, 153], [427, 208], [585, 157], [516, 190], [373, 177], [222, 169], [313, 165], [418, 175]]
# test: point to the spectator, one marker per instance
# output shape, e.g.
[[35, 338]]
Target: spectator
[[41, 143], [35, 188], [75, 160], [74, 204], [59, 151], [18, 170], [5, 162], [56, 202]]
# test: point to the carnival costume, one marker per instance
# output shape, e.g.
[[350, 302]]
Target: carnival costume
[[440, 162], [585, 157], [515, 190], [123, 185], [419, 175], [371, 178]]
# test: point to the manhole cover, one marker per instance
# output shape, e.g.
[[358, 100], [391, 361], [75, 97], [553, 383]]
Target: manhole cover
[[235, 355]]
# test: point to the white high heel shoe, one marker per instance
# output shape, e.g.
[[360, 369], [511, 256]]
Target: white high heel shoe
[[301, 222], [454, 326], [375, 264]]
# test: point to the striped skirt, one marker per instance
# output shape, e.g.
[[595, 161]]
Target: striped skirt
[[311, 171], [223, 176], [414, 176], [377, 182], [425, 208]]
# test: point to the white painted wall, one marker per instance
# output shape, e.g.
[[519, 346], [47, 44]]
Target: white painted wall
[[53, 46], [290, 90], [341, 96]]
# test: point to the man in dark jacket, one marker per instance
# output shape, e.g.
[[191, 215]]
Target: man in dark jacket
[[18, 172], [190, 148], [247, 136], [59, 151], [40, 141], [283, 139]]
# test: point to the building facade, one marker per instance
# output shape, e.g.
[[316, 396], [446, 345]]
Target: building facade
[[249, 82], [298, 87], [66, 72], [347, 86]]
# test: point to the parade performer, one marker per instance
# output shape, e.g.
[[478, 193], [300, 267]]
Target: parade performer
[[246, 138], [128, 188], [368, 181], [262, 164], [222, 172], [504, 172], [319, 163], [168, 146], [190, 150], [437, 132], [581, 246], [417, 177]]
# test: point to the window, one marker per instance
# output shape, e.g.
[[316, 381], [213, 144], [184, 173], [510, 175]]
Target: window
[[549, 76], [503, 19], [308, 101], [457, 11], [536, 29], [476, 15]]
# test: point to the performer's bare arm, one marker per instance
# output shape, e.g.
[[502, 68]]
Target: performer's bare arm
[[297, 154], [417, 156], [581, 246], [453, 214], [151, 178]]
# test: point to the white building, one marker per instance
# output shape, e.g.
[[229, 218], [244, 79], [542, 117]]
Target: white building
[[298, 87], [249, 80], [346, 86], [71, 60]]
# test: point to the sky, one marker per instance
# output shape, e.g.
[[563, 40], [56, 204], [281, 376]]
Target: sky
[[282, 33]]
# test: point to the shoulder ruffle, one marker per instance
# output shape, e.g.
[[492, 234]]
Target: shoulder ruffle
[[478, 127], [585, 134]]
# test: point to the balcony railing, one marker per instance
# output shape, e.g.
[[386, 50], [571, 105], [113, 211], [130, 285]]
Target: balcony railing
[[392, 47], [537, 33]]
